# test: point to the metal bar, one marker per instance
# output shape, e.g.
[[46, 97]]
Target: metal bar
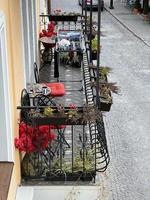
[[60, 140], [82, 8], [80, 109], [49, 6], [111, 4], [83, 147], [91, 5], [50, 162], [72, 146], [98, 54], [85, 2]]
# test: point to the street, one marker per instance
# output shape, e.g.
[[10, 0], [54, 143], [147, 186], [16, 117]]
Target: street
[[127, 125]]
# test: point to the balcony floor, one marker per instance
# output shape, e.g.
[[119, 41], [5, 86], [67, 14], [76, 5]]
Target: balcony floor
[[72, 79]]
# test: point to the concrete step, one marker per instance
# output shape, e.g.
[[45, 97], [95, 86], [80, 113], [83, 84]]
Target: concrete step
[[58, 192]]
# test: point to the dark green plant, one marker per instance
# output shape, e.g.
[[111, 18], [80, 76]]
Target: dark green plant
[[104, 71], [112, 87], [94, 44], [137, 5], [106, 89]]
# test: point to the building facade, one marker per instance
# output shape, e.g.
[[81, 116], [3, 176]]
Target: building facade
[[18, 51]]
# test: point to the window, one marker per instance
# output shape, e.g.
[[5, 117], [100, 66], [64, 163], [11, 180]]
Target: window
[[6, 147], [28, 9]]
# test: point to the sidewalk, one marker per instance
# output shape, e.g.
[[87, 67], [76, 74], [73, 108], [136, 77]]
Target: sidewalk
[[134, 23]]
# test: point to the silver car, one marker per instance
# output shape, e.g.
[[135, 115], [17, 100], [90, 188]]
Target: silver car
[[94, 4]]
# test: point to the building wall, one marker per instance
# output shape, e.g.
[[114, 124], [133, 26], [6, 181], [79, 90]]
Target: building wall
[[11, 10]]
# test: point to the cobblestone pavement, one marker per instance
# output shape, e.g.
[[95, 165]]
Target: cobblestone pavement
[[128, 123], [135, 23]]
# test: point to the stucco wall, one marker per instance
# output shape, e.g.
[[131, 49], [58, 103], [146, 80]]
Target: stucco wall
[[11, 10], [12, 13]]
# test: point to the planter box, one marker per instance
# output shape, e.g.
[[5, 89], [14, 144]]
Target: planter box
[[75, 176], [105, 106], [55, 120], [63, 18], [94, 56]]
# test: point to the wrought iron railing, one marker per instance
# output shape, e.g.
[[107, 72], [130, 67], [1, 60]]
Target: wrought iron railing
[[63, 143]]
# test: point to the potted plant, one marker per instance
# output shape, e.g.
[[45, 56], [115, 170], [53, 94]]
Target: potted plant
[[105, 94], [57, 116], [94, 28], [137, 7], [58, 15], [33, 139], [94, 48], [75, 174]]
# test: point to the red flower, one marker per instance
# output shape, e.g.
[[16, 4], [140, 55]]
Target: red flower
[[72, 106], [33, 139], [49, 32]]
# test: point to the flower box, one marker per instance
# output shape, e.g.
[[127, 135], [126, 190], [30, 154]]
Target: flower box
[[105, 106], [55, 120], [94, 55], [75, 176], [63, 18]]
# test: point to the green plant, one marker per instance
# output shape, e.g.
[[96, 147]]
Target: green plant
[[106, 89], [137, 5], [48, 111], [94, 44], [111, 86], [104, 71], [88, 163], [105, 93]]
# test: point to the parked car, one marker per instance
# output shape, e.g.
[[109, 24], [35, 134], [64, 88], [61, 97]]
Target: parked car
[[94, 4]]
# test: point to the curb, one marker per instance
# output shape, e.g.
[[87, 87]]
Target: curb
[[127, 27]]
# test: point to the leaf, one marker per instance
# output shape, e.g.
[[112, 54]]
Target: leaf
[[113, 87]]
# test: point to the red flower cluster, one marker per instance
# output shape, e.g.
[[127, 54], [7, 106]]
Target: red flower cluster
[[50, 31], [72, 106], [32, 139], [57, 11]]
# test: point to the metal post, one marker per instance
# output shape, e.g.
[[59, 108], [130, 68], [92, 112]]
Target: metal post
[[85, 17], [90, 36], [49, 6], [82, 7], [111, 4], [98, 54]]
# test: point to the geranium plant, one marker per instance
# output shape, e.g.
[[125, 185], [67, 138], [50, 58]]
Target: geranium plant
[[49, 32], [33, 139]]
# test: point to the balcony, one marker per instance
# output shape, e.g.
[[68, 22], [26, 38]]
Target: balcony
[[62, 134]]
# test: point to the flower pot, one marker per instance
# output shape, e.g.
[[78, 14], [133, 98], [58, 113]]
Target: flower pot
[[105, 106], [48, 42], [94, 55], [89, 36]]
